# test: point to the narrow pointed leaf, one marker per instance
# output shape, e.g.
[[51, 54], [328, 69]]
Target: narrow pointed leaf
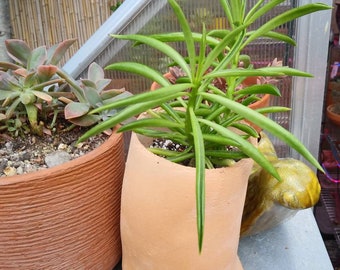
[[285, 17], [245, 146], [266, 124], [140, 69], [160, 46], [124, 115], [150, 122], [200, 175], [164, 92]]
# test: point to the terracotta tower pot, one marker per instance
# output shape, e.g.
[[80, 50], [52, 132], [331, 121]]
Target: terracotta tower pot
[[65, 217], [158, 213]]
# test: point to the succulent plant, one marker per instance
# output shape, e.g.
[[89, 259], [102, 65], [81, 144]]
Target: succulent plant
[[33, 89]]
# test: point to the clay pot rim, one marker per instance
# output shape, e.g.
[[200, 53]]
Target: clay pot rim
[[145, 141], [104, 147], [329, 109]]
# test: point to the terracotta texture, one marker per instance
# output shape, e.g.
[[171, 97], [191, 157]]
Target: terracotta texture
[[335, 118], [158, 213], [66, 217]]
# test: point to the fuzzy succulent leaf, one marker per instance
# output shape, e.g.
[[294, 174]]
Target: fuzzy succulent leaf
[[86, 120], [7, 65], [4, 94], [27, 98], [2, 117], [46, 72], [57, 52], [102, 84], [38, 57], [42, 95], [18, 50], [75, 110], [93, 97], [95, 72], [108, 94]]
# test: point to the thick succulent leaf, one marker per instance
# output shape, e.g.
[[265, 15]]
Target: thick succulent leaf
[[95, 72], [38, 57], [27, 98], [7, 65], [75, 110], [12, 108], [4, 94], [8, 82], [18, 50], [92, 97], [42, 95], [57, 52], [86, 120], [45, 72], [88, 83], [102, 84], [107, 94], [121, 96]]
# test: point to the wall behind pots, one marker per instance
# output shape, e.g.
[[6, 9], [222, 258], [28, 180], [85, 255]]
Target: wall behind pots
[[48, 22]]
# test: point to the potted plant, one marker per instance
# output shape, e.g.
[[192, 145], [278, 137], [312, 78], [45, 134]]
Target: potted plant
[[254, 101], [68, 215], [333, 109], [205, 141]]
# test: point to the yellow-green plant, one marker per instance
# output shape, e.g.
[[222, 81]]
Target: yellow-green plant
[[194, 112]]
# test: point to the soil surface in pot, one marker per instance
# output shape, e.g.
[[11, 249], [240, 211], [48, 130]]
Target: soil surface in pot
[[29, 153]]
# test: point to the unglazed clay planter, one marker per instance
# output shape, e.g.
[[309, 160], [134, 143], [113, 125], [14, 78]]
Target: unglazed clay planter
[[158, 213], [65, 217], [334, 117]]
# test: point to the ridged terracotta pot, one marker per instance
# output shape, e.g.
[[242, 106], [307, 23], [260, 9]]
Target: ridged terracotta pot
[[158, 213], [65, 217]]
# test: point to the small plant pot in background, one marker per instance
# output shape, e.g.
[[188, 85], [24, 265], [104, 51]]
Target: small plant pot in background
[[332, 115]]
